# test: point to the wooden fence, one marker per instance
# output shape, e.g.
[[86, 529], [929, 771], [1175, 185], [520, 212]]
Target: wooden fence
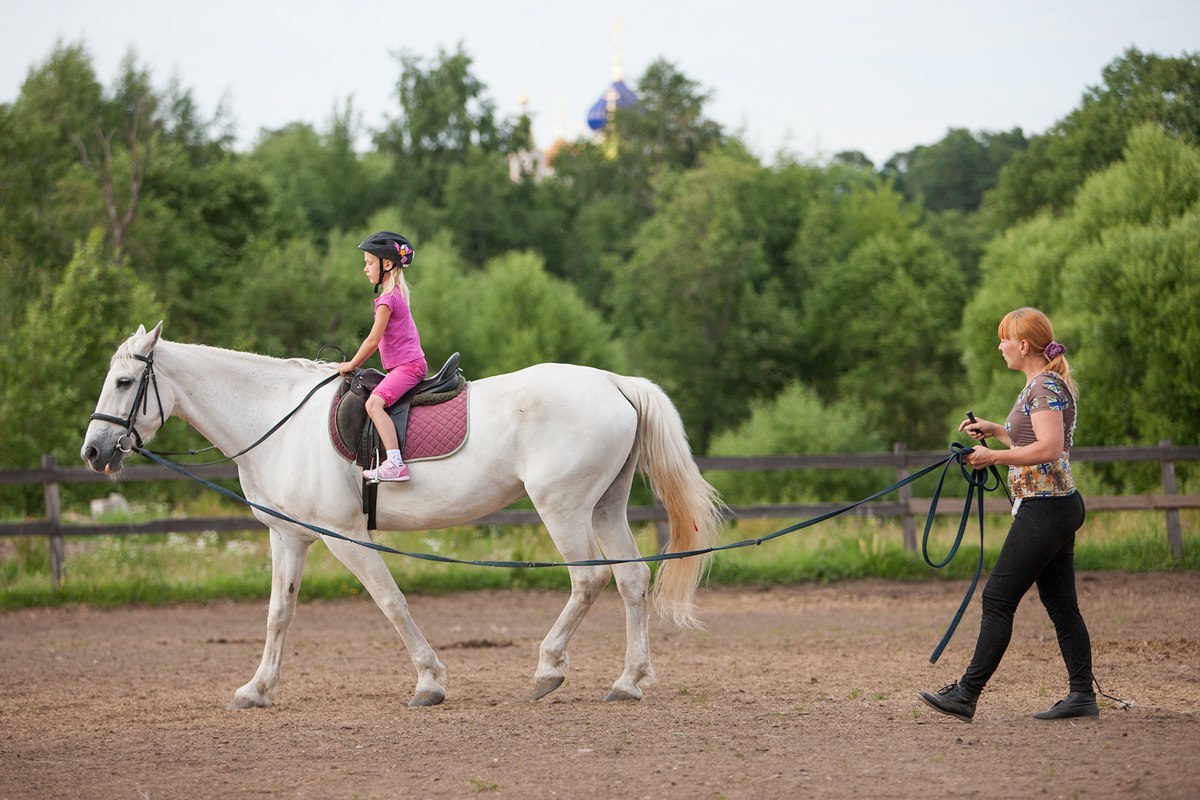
[[902, 460]]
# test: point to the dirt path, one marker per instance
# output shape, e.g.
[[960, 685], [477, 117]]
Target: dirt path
[[799, 692]]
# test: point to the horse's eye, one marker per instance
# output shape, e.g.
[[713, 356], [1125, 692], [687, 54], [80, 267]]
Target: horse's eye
[[124, 383]]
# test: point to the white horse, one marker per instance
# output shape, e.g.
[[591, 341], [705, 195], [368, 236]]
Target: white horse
[[568, 437]]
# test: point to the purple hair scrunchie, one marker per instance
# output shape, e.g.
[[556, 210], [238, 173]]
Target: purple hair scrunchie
[[1054, 350]]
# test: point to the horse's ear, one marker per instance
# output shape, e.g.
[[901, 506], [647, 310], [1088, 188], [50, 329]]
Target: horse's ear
[[145, 342]]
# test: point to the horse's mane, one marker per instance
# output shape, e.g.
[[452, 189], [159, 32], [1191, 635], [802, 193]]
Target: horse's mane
[[125, 352]]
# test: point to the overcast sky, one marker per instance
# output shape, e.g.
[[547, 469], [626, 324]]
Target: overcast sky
[[814, 78]]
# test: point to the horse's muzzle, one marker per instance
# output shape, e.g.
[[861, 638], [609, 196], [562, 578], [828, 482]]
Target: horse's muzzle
[[102, 456]]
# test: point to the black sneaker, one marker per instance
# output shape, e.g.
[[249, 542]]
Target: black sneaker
[[1076, 704], [951, 699]]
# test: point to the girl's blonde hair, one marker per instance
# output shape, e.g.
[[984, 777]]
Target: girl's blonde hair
[[1034, 327], [395, 280]]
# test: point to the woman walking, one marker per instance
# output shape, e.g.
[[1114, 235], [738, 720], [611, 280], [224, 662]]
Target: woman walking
[[1047, 512]]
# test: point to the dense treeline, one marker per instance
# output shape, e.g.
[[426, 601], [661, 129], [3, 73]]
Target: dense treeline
[[796, 306]]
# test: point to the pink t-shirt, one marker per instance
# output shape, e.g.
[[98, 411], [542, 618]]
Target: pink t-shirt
[[401, 343]]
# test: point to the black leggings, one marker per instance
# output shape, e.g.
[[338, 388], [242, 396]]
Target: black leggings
[[1040, 548]]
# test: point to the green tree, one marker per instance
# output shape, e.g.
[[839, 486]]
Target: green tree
[[697, 304], [93, 308], [668, 127], [56, 101], [1019, 268], [1137, 87], [606, 189], [191, 229], [775, 203], [854, 158], [316, 179], [291, 297], [518, 315], [963, 236], [1118, 273], [883, 324], [445, 115], [134, 160], [796, 421], [598, 211], [954, 173], [485, 209], [1132, 290], [847, 206]]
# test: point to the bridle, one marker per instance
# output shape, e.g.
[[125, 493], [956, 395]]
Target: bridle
[[131, 439]]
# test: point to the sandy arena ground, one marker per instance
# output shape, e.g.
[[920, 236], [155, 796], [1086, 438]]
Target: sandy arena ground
[[807, 691]]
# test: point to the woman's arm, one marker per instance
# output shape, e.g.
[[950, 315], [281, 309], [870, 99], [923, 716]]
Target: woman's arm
[[1047, 427], [981, 429], [371, 343]]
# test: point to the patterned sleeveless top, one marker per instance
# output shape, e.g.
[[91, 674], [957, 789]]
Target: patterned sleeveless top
[[1046, 393]]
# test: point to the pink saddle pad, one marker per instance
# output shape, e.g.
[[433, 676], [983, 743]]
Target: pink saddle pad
[[437, 431]]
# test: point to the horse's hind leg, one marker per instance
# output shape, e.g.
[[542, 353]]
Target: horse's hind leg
[[572, 535], [288, 557], [369, 568], [610, 522]]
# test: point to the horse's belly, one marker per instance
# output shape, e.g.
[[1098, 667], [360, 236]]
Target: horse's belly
[[401, 510]]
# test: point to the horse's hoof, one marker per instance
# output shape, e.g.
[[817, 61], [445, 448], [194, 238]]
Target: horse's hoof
[[427, 698], [241, 702], [242, 705], [547, 685], [620, 695]]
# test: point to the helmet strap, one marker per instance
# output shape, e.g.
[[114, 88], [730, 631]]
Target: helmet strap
[[382, 272]]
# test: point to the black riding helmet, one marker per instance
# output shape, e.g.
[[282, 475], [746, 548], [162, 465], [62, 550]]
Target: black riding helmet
[[390, 246]]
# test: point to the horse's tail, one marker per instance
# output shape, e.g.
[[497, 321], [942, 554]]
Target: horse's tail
[[693, 507]]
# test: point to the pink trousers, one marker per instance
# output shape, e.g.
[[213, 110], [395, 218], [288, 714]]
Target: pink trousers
[[400, 379]]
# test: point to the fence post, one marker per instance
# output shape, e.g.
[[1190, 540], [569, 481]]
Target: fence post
[[1174, 534], [58, 566], [906, 517]]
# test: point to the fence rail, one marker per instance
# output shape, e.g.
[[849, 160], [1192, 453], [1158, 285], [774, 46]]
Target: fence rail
[[909, 509]]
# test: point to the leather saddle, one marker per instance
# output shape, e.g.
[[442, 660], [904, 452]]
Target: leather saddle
[[351, 430]]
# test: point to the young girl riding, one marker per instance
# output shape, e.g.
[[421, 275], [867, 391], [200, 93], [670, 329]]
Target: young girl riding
[[385, 257]]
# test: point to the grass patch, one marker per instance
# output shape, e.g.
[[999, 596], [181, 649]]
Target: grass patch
[[167, 568]]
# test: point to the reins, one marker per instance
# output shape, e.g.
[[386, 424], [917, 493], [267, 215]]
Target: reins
[[277, 425], [976, 480]]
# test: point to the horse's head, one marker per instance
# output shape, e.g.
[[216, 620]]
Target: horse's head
[[130, 409]]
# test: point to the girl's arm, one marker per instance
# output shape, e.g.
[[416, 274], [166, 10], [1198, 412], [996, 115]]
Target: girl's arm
[[371, 343], [1047, 427]]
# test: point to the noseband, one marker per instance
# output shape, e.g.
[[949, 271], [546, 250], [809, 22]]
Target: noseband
[[132, 438]]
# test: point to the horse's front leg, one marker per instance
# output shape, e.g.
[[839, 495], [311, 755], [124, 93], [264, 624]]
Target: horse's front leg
[[288, 557], [368, 567]]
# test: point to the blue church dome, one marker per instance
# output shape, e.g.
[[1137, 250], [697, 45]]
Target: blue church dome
[[618, 95]]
